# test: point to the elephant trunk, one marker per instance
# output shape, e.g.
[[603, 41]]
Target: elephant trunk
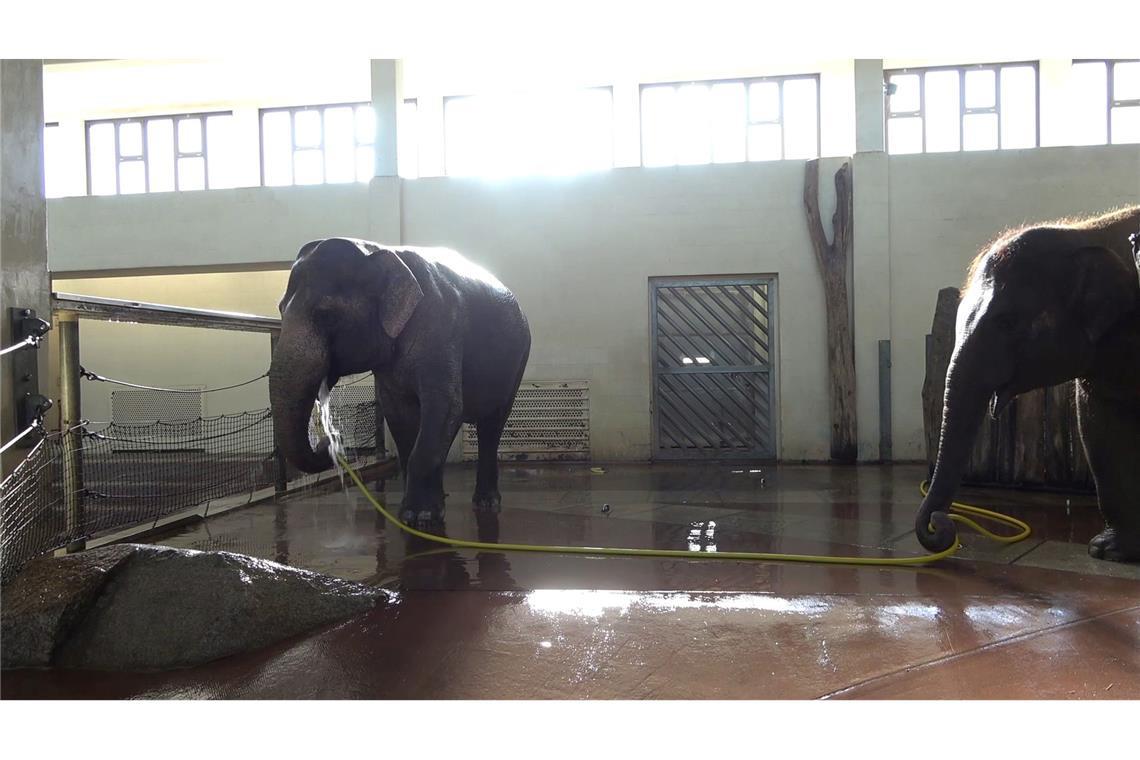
[[964, 407], [300, 364]]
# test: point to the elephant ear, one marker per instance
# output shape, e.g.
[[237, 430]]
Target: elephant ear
[[308, 248], [399, 292], [1105, 290]]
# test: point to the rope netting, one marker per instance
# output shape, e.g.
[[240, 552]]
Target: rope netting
[[134, 473]]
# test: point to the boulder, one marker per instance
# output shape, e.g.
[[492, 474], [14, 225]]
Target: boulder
[[140, 607]]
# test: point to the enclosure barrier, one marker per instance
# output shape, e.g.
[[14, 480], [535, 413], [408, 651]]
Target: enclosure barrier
[[93, 481]]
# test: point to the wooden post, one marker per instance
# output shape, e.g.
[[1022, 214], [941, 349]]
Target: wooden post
[[832, 260]]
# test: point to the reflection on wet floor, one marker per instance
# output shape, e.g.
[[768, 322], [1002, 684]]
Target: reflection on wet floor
[[1037, 619]]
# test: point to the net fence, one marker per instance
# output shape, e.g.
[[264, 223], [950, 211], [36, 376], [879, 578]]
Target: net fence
[[127, 474]]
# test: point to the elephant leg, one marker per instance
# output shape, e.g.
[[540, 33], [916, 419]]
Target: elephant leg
[[440, 419], [404, 421], [490, 431], [1111, 436]]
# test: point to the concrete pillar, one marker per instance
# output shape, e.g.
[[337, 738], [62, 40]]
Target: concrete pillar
[[870, 103], [387, 96], [23, 222]]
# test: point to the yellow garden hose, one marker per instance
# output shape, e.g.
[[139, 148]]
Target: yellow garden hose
[[684, 554]]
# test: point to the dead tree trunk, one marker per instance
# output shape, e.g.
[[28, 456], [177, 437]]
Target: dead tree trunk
[[832, 260]]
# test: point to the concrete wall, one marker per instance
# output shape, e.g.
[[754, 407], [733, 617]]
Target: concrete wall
[[579, 253], [23, 224], [945, 207]]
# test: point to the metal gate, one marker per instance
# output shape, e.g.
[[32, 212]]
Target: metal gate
[[714, 355]]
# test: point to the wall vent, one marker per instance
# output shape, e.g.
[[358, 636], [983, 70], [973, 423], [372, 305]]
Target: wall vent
[[550, 421]]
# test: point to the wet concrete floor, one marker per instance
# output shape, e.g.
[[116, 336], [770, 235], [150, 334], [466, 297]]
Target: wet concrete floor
[[1038, 619]]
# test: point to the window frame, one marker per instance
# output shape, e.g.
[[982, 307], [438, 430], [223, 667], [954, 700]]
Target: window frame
[[175, 118], [613, 124], [746, 81], [402, 132], [293, 111], [963, 111], [1110, 92]]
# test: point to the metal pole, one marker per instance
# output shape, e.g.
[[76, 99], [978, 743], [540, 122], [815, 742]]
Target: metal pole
[[70, 413], [885, 440], [280, 480]]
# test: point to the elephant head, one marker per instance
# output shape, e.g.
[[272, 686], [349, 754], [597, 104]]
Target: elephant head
[[1035, 307], [346, 304]]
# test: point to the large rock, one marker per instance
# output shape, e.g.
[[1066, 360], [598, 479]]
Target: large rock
[[139, 607], [48, 598]]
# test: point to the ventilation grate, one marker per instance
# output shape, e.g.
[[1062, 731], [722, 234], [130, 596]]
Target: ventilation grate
[[549, 420]]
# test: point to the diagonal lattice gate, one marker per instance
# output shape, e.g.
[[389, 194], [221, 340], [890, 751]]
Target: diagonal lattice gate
[[713, 345]]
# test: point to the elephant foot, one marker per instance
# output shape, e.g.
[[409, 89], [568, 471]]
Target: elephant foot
[[422, 513], [1108, 545], [422, 518], [490, 501]]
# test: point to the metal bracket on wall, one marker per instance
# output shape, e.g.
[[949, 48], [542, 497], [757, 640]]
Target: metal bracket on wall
[[29, 404]]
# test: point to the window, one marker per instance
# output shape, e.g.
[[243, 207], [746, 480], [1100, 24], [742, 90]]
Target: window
[[55, 166], [1106, 102], [764, 119], [552, 132], [954, 108], [409, 139], [313, 145], [157, 154]]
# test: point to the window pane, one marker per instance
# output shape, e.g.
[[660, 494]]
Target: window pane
[[1126, 81], [943, 109], [1089, 112], [277, 148], [132, 177], [980, 131], [764, 142], [340, 145], [658, 126], [55, 163], [308, 167], [764, 101], [101, 145], [1018, 107], [189, 135], [365, 163], [905, 98], [730, 127], [694, 145], [160, 154], [800, 122], [981, 89], [1125, 124], [578, 130], [130, 139], [365, 125], [307, 129], [463, 134], [220, 159], [408, 136], [192, 173], [904, 135]]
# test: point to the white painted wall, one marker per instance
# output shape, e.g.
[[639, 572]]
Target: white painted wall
[[945, 207], [578, 252]]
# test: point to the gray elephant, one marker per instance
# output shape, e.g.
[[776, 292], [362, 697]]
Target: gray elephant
[[1043, 305], [447, 342]]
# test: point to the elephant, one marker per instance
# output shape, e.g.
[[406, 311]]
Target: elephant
[[1043, 305], [446, 341]]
